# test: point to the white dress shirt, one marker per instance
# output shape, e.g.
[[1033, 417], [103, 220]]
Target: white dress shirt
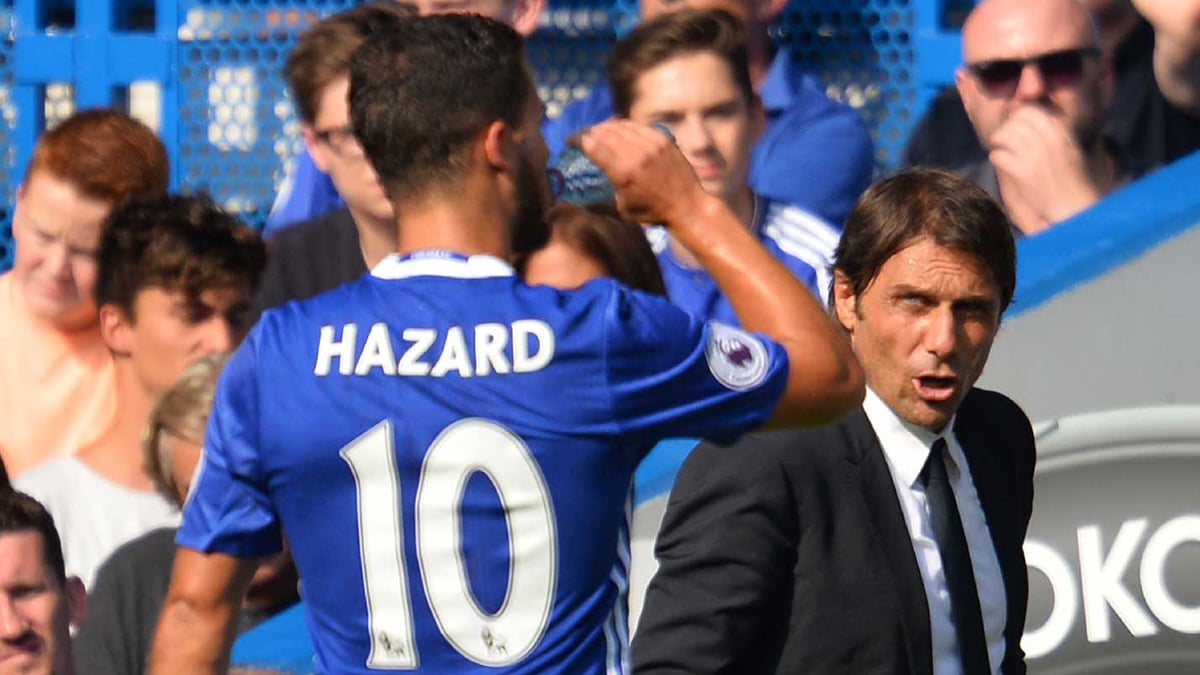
[[906, 447]]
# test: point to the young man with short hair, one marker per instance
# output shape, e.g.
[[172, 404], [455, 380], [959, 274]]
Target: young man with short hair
[[174, 278], [814, 152], [687, 70], [56, 374], [449, 449], [331, 249], [38, 601], [311, 190]]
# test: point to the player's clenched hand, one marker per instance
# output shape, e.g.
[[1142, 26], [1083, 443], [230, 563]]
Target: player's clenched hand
[[1036, 155], [654, 181]]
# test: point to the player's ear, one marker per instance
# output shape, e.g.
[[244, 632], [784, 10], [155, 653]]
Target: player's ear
[[495, 145], [845, 302], [115, 328]]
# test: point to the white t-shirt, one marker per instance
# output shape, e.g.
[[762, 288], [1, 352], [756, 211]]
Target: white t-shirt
[[93, 515]]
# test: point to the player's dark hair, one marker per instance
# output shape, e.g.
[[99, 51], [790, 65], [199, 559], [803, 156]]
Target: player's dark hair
[[19, 513], [949, 210], [421, 93], [177, 243], [675, 34], [619, 246], [322, 54]]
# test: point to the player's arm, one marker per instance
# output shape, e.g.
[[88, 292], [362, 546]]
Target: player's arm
[[199, 617], [655, 184]]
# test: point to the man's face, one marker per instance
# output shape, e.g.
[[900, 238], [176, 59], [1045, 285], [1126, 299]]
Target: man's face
[[922, 329], [696, 97], [533, 194], [1074, 88], [35, 609], [335, 151], [167, 333], [57, 232]]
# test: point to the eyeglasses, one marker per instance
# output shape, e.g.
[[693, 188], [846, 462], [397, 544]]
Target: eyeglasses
[[341, 140], [1001, 77]]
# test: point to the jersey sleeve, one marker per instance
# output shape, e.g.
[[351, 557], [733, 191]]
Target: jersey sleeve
[[228, 510], [670, 374]]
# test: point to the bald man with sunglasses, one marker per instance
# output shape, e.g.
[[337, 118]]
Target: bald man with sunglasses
[[1036, 87]]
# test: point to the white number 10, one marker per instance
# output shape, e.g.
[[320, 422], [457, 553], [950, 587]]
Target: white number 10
[[460, 450]]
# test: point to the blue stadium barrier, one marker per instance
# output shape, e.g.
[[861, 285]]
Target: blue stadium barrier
[[211, 72]]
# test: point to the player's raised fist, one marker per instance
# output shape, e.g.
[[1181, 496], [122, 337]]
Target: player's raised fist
[[653, 180]]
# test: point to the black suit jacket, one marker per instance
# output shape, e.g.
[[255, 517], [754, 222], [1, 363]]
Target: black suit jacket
[[788, 552]]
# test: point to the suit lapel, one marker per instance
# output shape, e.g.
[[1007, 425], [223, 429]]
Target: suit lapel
[[891, 533]]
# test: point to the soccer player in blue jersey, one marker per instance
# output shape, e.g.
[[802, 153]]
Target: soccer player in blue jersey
[[450, 450], [688, 70]]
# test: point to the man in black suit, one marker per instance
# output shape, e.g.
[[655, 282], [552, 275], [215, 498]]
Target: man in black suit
[[891, 541]]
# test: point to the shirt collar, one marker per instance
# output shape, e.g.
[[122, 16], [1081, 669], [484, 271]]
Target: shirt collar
[[905, 445], [782, 81], [455, 266]]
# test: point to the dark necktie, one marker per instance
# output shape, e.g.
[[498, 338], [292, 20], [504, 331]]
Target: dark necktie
[[956, 562]]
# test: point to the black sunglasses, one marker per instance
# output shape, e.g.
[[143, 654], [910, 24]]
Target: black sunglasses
[[1000, 77]]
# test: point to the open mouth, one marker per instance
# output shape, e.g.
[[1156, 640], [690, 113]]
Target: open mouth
[[935, 388]]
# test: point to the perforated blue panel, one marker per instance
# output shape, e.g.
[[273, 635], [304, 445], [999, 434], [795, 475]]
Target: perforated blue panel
[[237, 129], [863, 52], [8, 118], [231, 130]]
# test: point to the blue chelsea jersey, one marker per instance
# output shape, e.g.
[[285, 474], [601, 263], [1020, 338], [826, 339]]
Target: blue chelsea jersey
[[803, 242], [450, 453]]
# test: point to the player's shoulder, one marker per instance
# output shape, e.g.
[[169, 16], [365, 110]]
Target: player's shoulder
[[328, 306]]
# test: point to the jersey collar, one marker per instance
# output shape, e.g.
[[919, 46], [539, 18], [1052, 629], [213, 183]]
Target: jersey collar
[[441, 264]]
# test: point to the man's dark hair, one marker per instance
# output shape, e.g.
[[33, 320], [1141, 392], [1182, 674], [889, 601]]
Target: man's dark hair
[[420, 93], [322, 55], [20, 513], [675, 34], [949, 210], [177, 243]]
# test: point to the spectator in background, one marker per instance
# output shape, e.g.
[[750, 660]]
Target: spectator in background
[[131, 585], [56, 374], [341, 245], [813, 152], [687, 70], [1036, 88], [174, 279], [38, 601], [309, 190], [589, 243], [1153, 47]]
